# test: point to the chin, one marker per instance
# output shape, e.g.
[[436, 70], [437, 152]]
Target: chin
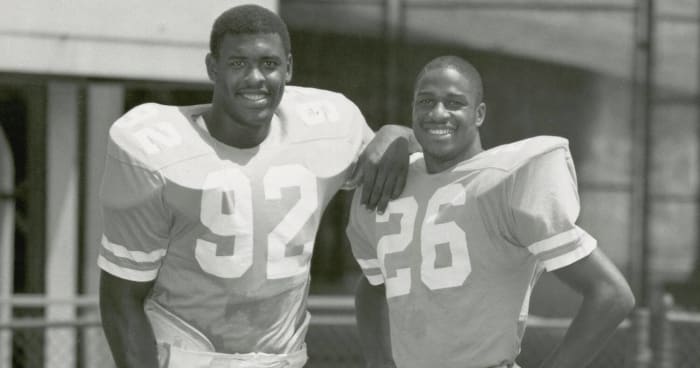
[[259, 118], [438, 152]]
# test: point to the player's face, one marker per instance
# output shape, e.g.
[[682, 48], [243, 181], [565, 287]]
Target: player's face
[[249, 76], [446, 117]]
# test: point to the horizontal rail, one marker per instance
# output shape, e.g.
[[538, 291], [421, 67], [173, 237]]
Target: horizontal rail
[[485, 5], [331, 302], [682, 316], [316, 320], [534, 321], [522, 6], [39, 300], [37, 323]]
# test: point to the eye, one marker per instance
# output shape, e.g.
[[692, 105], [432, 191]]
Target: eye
[[236, 63], [424, 102], [271, 64], [453, 104]]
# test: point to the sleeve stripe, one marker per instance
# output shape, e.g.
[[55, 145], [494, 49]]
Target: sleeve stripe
[[375, 280], [137, 256], [368, 264], [555, 241], [126, 273], [588, 244], [373, 273]]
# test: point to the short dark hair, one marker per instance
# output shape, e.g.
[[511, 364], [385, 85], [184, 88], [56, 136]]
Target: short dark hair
[[248, 19], [461, 65]]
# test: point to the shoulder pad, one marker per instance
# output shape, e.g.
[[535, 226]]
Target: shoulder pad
[[509, 157], [152, 135], [310, 113]]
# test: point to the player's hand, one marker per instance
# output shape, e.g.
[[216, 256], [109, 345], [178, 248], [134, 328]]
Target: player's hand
[[383, 166]]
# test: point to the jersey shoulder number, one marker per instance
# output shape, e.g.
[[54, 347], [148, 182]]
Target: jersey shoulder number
[[153, 135], [312, 114]]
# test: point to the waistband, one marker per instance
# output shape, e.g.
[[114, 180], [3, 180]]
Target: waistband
[[505, 365], [181, 358]]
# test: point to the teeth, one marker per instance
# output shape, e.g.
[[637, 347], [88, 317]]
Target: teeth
[[254, 96], [439, 131]]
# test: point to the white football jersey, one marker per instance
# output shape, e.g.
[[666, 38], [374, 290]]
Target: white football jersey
[[459, 251], [227, 233]]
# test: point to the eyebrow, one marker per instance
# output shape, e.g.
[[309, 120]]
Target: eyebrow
[[237, 56], [449, 95]]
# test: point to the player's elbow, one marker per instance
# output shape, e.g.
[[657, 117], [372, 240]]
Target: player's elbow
[[627, 299], [618, 299]]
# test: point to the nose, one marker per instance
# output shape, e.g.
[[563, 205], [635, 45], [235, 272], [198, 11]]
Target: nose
[[439, 112], [254, 75]]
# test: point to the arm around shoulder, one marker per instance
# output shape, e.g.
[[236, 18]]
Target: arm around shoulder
[[607, 300], [383, 165], [405, 132], [124, 321]]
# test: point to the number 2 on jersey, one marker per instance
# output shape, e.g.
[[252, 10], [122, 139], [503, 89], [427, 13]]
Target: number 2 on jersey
[[232, 188], [432, 234]]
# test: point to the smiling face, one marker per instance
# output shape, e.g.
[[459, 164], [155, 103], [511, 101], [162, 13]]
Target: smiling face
[[249, 72], [447, 112]]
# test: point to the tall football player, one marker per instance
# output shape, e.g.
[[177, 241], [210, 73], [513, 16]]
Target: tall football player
[[453, 260], [211, 211]]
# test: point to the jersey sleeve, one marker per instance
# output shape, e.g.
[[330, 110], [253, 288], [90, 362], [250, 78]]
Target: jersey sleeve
[[363, 249], [363, 134], [136, 222], [545, 207]]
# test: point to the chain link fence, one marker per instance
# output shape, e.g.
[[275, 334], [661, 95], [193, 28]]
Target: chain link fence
[[332, 341]]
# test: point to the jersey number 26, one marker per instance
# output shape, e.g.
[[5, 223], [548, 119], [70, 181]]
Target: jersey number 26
[[432, 234]]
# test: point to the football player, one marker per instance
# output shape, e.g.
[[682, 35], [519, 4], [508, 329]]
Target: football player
[[449, 266], [211, 211]]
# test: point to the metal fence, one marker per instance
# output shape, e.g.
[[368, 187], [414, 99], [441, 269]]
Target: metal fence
[[672, 336]]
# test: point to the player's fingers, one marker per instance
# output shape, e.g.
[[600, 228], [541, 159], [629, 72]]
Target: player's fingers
[[384, 200], [367, 184], [377, 189], [387, 191], [399, 184]]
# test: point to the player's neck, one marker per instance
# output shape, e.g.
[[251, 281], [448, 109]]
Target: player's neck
[[232, 133], [434, 165]]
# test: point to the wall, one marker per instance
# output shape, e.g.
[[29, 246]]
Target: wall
[[153, 40]]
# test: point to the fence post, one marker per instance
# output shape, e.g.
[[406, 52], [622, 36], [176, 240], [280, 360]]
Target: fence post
[[7, 229], [641, 325], [666, 345]]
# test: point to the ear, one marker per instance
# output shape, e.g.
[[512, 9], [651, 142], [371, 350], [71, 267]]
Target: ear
[[289, 68], [480, 114], [210, 61]]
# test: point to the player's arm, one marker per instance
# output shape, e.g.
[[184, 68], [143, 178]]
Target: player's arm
[[124, 321], [383, 165], [372, 316], [545, 207], [371, 309], [133, 245], [607, 300]]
